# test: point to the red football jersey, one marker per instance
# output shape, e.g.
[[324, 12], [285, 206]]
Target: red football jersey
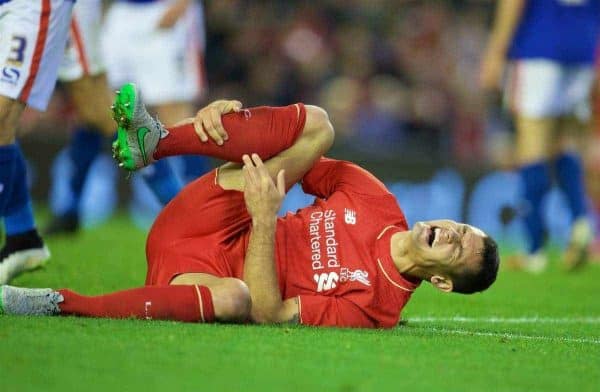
[[335, 254]]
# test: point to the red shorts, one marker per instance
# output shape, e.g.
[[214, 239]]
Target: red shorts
[[205, 228]]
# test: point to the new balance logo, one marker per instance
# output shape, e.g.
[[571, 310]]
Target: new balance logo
[[326, 281], [349, 216]]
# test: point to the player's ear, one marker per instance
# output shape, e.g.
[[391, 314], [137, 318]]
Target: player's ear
[[442, 283]]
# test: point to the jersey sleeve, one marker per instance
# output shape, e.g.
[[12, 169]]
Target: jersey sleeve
[[319, 310], [331, 175]]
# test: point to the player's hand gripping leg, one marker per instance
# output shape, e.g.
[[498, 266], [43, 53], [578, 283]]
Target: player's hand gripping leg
[[208, 121], [139, 134]]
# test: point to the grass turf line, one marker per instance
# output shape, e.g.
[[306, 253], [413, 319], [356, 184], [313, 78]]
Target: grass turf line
[[434, 350]]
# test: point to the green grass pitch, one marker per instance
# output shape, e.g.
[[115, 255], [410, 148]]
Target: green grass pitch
[[533, 333]]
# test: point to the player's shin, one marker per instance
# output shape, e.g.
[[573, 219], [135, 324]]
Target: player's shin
[[264, 130], [178, 303]]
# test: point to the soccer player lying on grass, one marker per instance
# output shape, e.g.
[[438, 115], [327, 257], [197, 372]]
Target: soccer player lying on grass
[[218, 252]]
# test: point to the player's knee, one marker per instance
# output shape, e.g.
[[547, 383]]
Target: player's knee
[[10, 112], [318, 126], [234, 303]]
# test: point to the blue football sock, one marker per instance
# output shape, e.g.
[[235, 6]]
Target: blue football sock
[[84, 148], [569, 173], [20, 221], [163, 180], [18, 215], [536, 183], [8, 154]]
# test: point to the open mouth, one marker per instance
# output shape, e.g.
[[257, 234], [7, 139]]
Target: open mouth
[[434, 235]]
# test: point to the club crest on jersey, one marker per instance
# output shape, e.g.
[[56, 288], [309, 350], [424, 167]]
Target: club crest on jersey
[[347, 275]]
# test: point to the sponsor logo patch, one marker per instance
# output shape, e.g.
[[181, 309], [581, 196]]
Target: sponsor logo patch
[[10, 75]]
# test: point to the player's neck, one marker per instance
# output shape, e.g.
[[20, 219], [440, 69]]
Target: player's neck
[[403, 258]]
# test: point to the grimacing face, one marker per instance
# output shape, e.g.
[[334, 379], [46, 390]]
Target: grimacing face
[[448, 245]]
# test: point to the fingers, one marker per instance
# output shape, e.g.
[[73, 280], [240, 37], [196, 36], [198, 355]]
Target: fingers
[[248, 180], [214, 126], [281, 182], [250, 172], [208, 122], [260, 167], [199, 128], [210, 127], [233, 106], [259, 174], [225, 106]]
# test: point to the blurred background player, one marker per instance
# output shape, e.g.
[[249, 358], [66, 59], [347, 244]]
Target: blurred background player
[[83, 76], [33, 35], [593, 159], [173, 30], [547, 48], [163, 52]]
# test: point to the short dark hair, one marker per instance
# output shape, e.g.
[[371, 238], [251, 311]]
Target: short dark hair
[[475, 280]]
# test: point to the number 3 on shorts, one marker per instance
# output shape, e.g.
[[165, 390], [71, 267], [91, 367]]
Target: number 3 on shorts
[[17, 50]]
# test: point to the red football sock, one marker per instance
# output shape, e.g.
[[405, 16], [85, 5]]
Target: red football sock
[[179, 303], [263, 130]]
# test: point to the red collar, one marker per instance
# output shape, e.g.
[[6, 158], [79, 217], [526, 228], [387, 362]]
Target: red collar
[[386, 264]]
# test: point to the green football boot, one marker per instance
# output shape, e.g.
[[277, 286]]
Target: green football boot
[[138, 133]]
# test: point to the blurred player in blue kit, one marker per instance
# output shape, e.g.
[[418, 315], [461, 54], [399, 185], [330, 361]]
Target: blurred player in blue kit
[[82, 76], [33, 34], [38, 41], [546, 50], [172, 28]]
